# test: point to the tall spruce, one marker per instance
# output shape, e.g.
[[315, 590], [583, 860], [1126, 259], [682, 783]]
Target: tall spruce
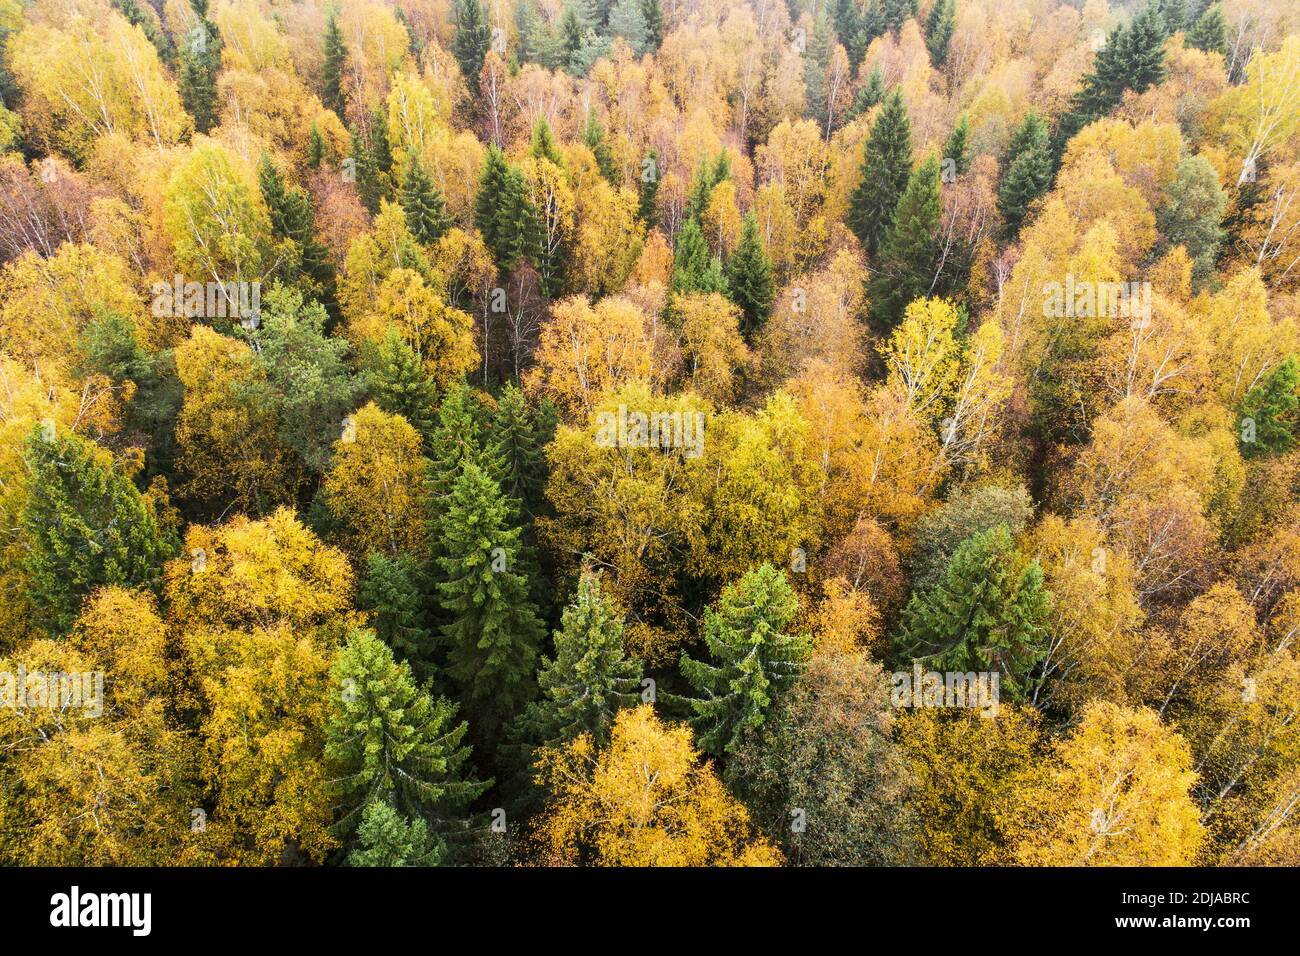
[[331, 73], [396, 380], [471, 40], [1132, 59], [492, 634], [749, 278], [988, 613], [1028, 165], [591, 676], [389, 742], [886, 165], [200, 62], [84, 526], [754, 658], [422, 202], [938, 30], [1210, 32], [906, 269]]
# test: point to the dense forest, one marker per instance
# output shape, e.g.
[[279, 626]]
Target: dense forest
[[649, 432]]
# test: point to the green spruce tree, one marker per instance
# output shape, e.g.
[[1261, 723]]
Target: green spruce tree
[[989, 613], [886, 165], [749, 278], [331, 73], [492, 633], [84, 526], [906, 270], [389, 742], [754, 659], [422, 202], [1028, 175]]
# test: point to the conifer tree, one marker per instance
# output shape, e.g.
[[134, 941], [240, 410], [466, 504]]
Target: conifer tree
[[627, 20], [707, 176], [501, 209], [543, 145], [749, 278], [426, 210], [515, 442], [886, 165], [695, 269], [315, 148], [957, 149], [938, 30], [456, 442], [1210, 32], [649, 182], [390, 591], [653, 14], [290, 212], [200, 62], [1132, 59], [816, 60], [868, 95], [907, 257], [754, 659], [389, 742], [470, 44], [396, 380], [386, 839], [1028, 172], [306, 383], [493, 633], [1270, 412], [593, 136], [989, 613], [331, 74], [84, 526], [589, 678]]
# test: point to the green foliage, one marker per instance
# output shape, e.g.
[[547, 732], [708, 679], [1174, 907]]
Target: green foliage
[[331, 73], [390, 591], [886, 168], [938, 30], [1132, 59], [84, 526], [395, 378], [389, 742], [1210, 32], [968, 512], [493, 632], [386, 839], [307, 384], [825, 758], [756, 661], [695, 269], [501, 209], [989, 613], [1270, 420], [200, 60], [749, 278], [1028, 175], [907, 257], [471, 40], [1191, 215], [957, 148], [423, 204]]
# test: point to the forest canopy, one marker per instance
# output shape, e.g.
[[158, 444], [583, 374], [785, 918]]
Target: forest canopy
[[649, 432]]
